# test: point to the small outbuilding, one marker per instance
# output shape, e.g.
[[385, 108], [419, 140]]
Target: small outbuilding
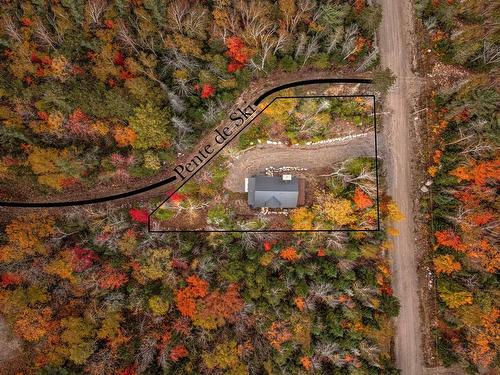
[[275, 191]]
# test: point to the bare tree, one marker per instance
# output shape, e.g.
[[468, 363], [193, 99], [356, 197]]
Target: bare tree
[[176, 102], [95, 10], [280, 41], [177, 11], [303, 8], [196, 21], [267, 42], [490, 53], [349, 46], [334, 39], [301, 44], [368, 60], [312, 48], [126, 38], [182, 87], [52, 20], [43, 35], [370, 353], [146, 353], [10, 29]]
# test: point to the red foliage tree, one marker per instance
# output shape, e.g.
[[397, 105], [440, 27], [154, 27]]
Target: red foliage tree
[[26, 21], [175, 197], [82, 258], [359, 5], [139, 216], [10, 278], [130, 370], [44, 116], [125, 74], [237, 52], [267, 246], [109, 24], [207, 91], [79, 124], [178, 352], [119, 59]]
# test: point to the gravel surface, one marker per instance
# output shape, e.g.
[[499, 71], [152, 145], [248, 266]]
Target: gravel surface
[[255, 160], [395, 35]]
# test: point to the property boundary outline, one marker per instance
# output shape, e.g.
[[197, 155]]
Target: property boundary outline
[[258, 101]]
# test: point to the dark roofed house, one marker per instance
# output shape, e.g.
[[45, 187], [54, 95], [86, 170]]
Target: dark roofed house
[[274, 191]]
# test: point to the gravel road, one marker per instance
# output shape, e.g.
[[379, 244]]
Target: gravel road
[[395, 52]]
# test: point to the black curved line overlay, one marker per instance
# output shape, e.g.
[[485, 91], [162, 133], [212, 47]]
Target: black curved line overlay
[[90, 201], [174, 178], [310, 82]]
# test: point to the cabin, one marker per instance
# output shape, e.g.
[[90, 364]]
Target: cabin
[[284, 191]]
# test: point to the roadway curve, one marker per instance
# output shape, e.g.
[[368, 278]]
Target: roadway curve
[[395, 53]]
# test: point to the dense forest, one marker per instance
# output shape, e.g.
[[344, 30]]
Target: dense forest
[[463, 127], [93, 292], [99, 92]]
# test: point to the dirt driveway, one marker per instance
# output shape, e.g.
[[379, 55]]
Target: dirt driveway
[[255, 160]]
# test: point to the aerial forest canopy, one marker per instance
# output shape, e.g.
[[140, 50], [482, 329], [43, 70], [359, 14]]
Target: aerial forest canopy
[[98, 92]]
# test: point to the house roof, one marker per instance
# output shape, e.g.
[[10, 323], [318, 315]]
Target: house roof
[[273, 192]]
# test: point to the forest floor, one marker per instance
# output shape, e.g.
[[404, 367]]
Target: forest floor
[[256, 159], [10, 350]]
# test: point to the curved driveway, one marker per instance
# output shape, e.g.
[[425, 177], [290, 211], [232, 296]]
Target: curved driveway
[[257, 159]]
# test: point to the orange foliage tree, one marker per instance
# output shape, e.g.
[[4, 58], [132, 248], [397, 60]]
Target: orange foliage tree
[[289, 254], [478, 172], [449, 238], [186, 298], [216, 308], [111, 278], [361, 199], [26, 235]]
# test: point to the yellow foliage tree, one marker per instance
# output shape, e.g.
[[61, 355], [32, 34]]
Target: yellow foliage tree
[[393, 212], [455, 299], [46, 162], [302, 218], [225, 357], [281, 109], [339, 211], [77, 339], [155, 263], [446, 264], [158, 305]]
